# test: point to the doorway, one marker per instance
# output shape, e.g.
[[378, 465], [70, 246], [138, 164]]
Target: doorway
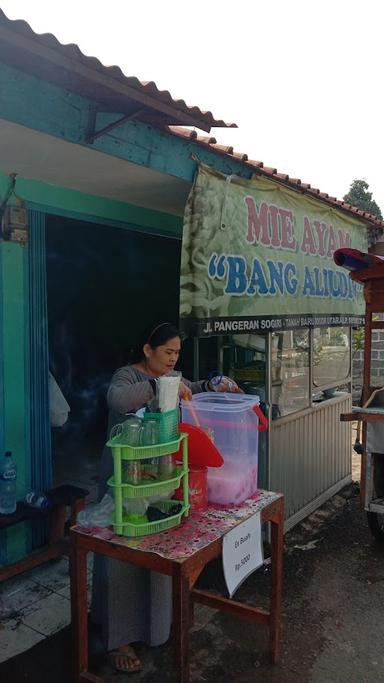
[[105, 284]]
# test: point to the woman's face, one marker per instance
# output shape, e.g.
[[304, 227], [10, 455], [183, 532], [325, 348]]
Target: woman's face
[[162, 359]]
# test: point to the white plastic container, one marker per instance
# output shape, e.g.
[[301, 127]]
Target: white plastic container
[[230, 420]]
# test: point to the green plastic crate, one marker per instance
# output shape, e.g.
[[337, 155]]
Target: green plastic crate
[[150, 489], [169, 424], [146, 528]]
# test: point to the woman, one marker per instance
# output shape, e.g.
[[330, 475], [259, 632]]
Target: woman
[[133, 604]]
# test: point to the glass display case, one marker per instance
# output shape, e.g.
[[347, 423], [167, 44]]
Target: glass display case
[[331, 356], [308, 366], [250, 365], [290, 371]]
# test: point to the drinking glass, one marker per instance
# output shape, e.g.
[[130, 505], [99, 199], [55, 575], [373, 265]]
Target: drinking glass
[[150, 433], [132, 472], [167, 467], [132, 431], [116, 431]]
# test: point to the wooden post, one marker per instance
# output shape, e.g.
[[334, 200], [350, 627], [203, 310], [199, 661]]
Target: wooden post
[[181, 615], [79, 608], [277, 538], [57, 523]]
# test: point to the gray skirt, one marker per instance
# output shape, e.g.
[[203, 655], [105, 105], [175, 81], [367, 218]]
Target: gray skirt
[[130, 604]]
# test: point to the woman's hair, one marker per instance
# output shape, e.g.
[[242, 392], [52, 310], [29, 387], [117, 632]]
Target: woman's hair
[[155, 335], [160, 334]]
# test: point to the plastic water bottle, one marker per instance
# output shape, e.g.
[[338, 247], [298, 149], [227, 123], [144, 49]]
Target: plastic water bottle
[[38, 500], [8, 472]]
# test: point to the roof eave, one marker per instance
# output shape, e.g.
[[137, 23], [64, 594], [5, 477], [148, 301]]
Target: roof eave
[[45, 57]]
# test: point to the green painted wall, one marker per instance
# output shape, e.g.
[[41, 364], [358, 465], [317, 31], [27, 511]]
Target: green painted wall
[[63, 114], [13, 259], [58, 200]]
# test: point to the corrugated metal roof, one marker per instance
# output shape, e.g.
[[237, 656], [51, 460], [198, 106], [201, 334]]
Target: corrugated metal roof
[[272, 173], [44, 56], [65, 65]]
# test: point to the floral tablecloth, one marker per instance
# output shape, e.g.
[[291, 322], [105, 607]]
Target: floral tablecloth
[[194, 533]]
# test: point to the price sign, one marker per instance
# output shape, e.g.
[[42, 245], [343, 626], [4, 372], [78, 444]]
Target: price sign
[[242, 552]]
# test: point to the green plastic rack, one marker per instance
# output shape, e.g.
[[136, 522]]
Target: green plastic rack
[[134, 525], [121, 450], [150, 489], [129, 528]]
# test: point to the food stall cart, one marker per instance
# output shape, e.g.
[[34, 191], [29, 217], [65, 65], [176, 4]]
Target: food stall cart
[[266, 304], [371, 412]]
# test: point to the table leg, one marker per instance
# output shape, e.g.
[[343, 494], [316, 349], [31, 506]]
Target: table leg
[[181, 616], [57, 523], [79, 609], [76, 506], [277, 537], [363, 468]]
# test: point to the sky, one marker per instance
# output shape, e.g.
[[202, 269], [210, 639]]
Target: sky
[[301, 78]]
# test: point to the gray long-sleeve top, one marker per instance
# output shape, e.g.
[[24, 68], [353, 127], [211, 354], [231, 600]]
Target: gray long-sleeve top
[[131, 389]]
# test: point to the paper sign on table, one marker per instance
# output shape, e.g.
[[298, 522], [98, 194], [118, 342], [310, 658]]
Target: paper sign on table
[[242, 552]]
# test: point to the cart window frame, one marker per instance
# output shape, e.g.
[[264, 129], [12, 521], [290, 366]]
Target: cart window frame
[[290, 371], [316, 392], [339, 339]]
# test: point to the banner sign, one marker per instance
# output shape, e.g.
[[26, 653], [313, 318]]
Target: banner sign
[[257, 256]]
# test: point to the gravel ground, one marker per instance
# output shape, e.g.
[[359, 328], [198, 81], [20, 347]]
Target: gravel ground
[[333, 629], [333, 625]]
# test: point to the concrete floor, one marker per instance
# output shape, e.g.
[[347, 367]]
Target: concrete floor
[[34, 606], [333, 626]]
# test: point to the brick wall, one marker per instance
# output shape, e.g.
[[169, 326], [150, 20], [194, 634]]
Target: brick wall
[[377, 364]]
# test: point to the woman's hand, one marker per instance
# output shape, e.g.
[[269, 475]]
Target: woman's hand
[[223, 383], [185, 392]]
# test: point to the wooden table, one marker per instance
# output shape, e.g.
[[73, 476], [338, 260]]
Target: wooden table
[[199, 540]]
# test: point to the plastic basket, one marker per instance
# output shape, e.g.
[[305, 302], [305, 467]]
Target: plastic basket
[[121, 450], [169, 421], [130, 529], [153, 488], [139, 526]]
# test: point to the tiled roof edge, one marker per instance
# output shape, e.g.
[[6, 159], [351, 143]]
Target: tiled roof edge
[[73, 52], [282, 178]]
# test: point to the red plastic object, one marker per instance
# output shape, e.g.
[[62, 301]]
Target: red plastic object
[[263, 421], [198, 489], [201, 450]]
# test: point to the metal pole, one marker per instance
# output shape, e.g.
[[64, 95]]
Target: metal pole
[[268, 405], [196, 359]]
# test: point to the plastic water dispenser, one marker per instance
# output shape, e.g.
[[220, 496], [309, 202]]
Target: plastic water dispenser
[[233, 421]]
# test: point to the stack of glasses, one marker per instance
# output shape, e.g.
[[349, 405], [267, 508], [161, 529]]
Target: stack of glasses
[[146, 475], [137, 432]]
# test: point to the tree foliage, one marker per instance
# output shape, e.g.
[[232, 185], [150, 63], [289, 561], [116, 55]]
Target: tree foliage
[[360, 197]]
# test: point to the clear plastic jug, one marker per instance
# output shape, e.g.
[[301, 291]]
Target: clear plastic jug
[[232, 421]]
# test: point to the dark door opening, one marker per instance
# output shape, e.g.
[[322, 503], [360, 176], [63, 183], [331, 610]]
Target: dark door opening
[[105, 285]]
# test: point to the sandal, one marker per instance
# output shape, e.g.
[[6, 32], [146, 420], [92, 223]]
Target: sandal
[[125, 660]]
